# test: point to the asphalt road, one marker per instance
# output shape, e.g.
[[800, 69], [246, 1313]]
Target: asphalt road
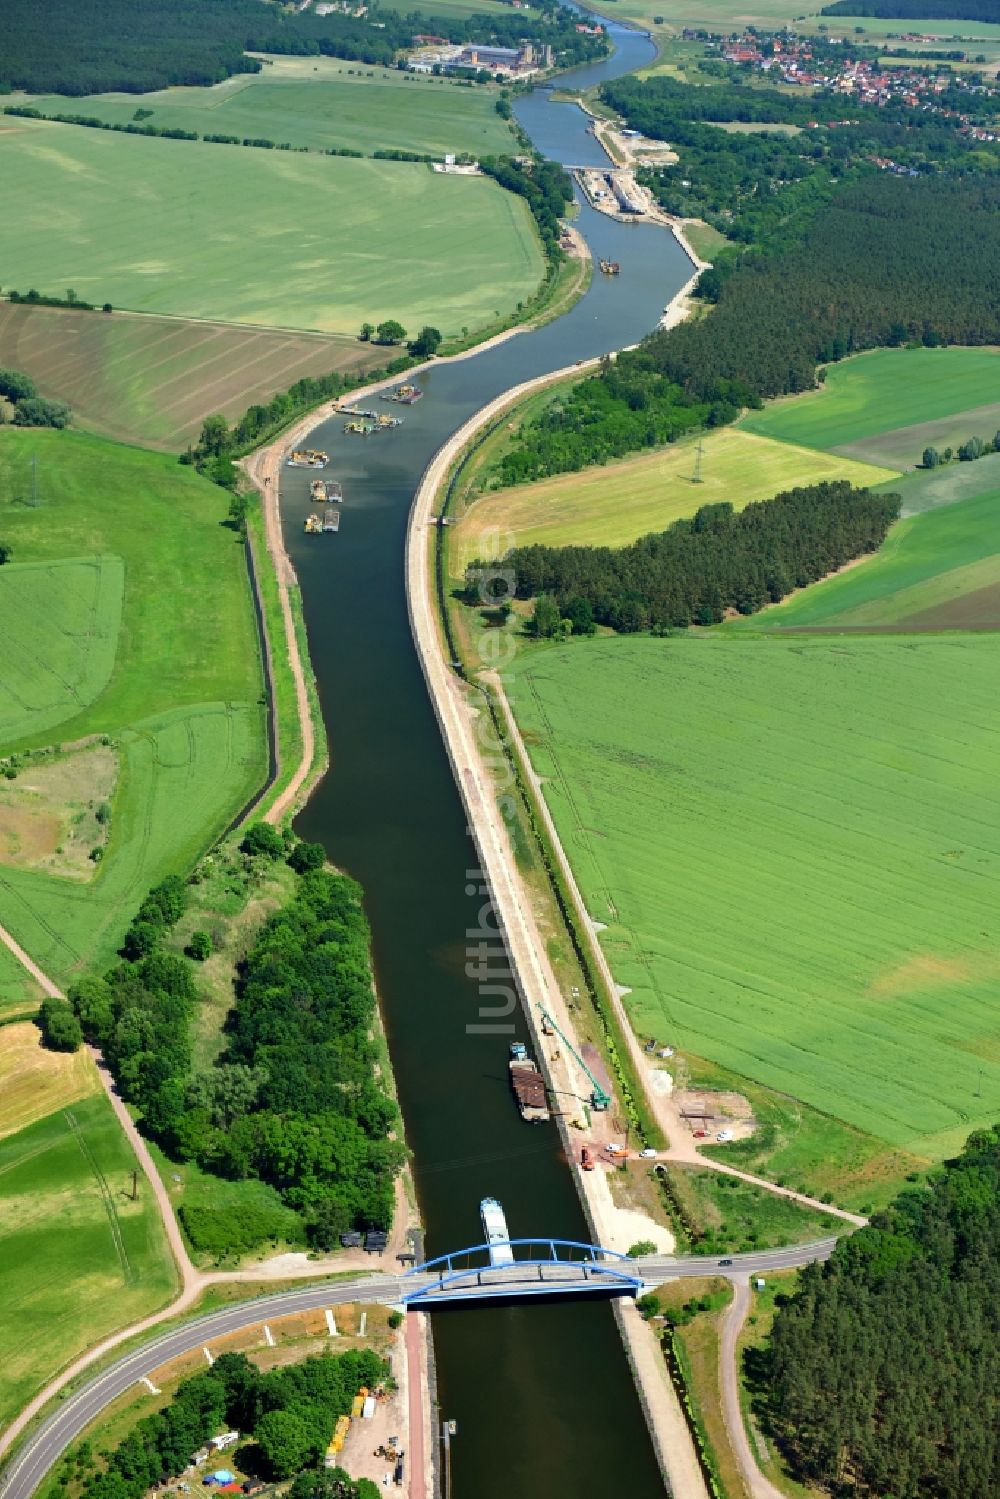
[[42, 1449]]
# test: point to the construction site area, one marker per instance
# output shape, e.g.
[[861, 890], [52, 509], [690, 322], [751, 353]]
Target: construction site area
[[618, 194]]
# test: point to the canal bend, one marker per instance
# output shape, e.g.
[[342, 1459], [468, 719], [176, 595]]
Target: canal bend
[[542, 1394]]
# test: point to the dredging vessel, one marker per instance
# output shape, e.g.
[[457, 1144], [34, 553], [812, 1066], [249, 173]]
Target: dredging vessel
[[325, 492], [406, 395], [308, 458], [496, 1231]]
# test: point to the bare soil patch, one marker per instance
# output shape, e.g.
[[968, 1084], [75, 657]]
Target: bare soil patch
[[932, 971], [978, 610], [710, 1110], [51, 814]]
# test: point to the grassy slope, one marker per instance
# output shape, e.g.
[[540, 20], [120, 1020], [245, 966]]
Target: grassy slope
[[345, 104], [928, 560], [616, 502], [878, 392], [257, 236], [183, 699], [63, 1289], [795, 846], [730, 1216]]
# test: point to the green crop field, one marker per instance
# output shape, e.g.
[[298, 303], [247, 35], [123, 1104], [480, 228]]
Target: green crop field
[[188, 633], [270, 238], [80, 1258], [877, 393], [795, 845], [59, 621], [319, 103], [616, 502], [153, 380], [176, 687], [939, 570]]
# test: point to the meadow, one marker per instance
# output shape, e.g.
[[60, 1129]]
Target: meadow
[[614, 503], [105, 1265], [19, 994], [60, 622], [181, 700], [936, 570], [319, 103], [153, 380], [872, 394], [187, 629], [795, 847], [269, 238]]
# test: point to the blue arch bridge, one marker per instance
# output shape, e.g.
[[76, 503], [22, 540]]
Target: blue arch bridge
[[518, 1268]]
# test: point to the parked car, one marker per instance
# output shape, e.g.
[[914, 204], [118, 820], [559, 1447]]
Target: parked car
[[648, 1153]]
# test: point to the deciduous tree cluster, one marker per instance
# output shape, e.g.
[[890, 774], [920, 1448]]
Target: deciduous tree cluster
[[293, 1100], [288, 1414]]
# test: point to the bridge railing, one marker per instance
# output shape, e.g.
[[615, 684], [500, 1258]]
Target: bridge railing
[[560, 1251], [474, 1272]]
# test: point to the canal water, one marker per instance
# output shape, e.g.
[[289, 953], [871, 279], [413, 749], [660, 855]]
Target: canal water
[[542, 1395]]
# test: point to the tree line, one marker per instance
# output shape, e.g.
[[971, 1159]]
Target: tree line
[[287, 1416], [700, 568], [967, 452], [882, 1373], [293, 1099], [219, 443], [174, 133], [917, 10], [77, 47]]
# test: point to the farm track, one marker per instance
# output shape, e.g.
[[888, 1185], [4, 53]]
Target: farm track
[[736, 1314]]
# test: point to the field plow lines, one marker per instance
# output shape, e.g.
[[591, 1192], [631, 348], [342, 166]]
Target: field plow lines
[[107, 1196]]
